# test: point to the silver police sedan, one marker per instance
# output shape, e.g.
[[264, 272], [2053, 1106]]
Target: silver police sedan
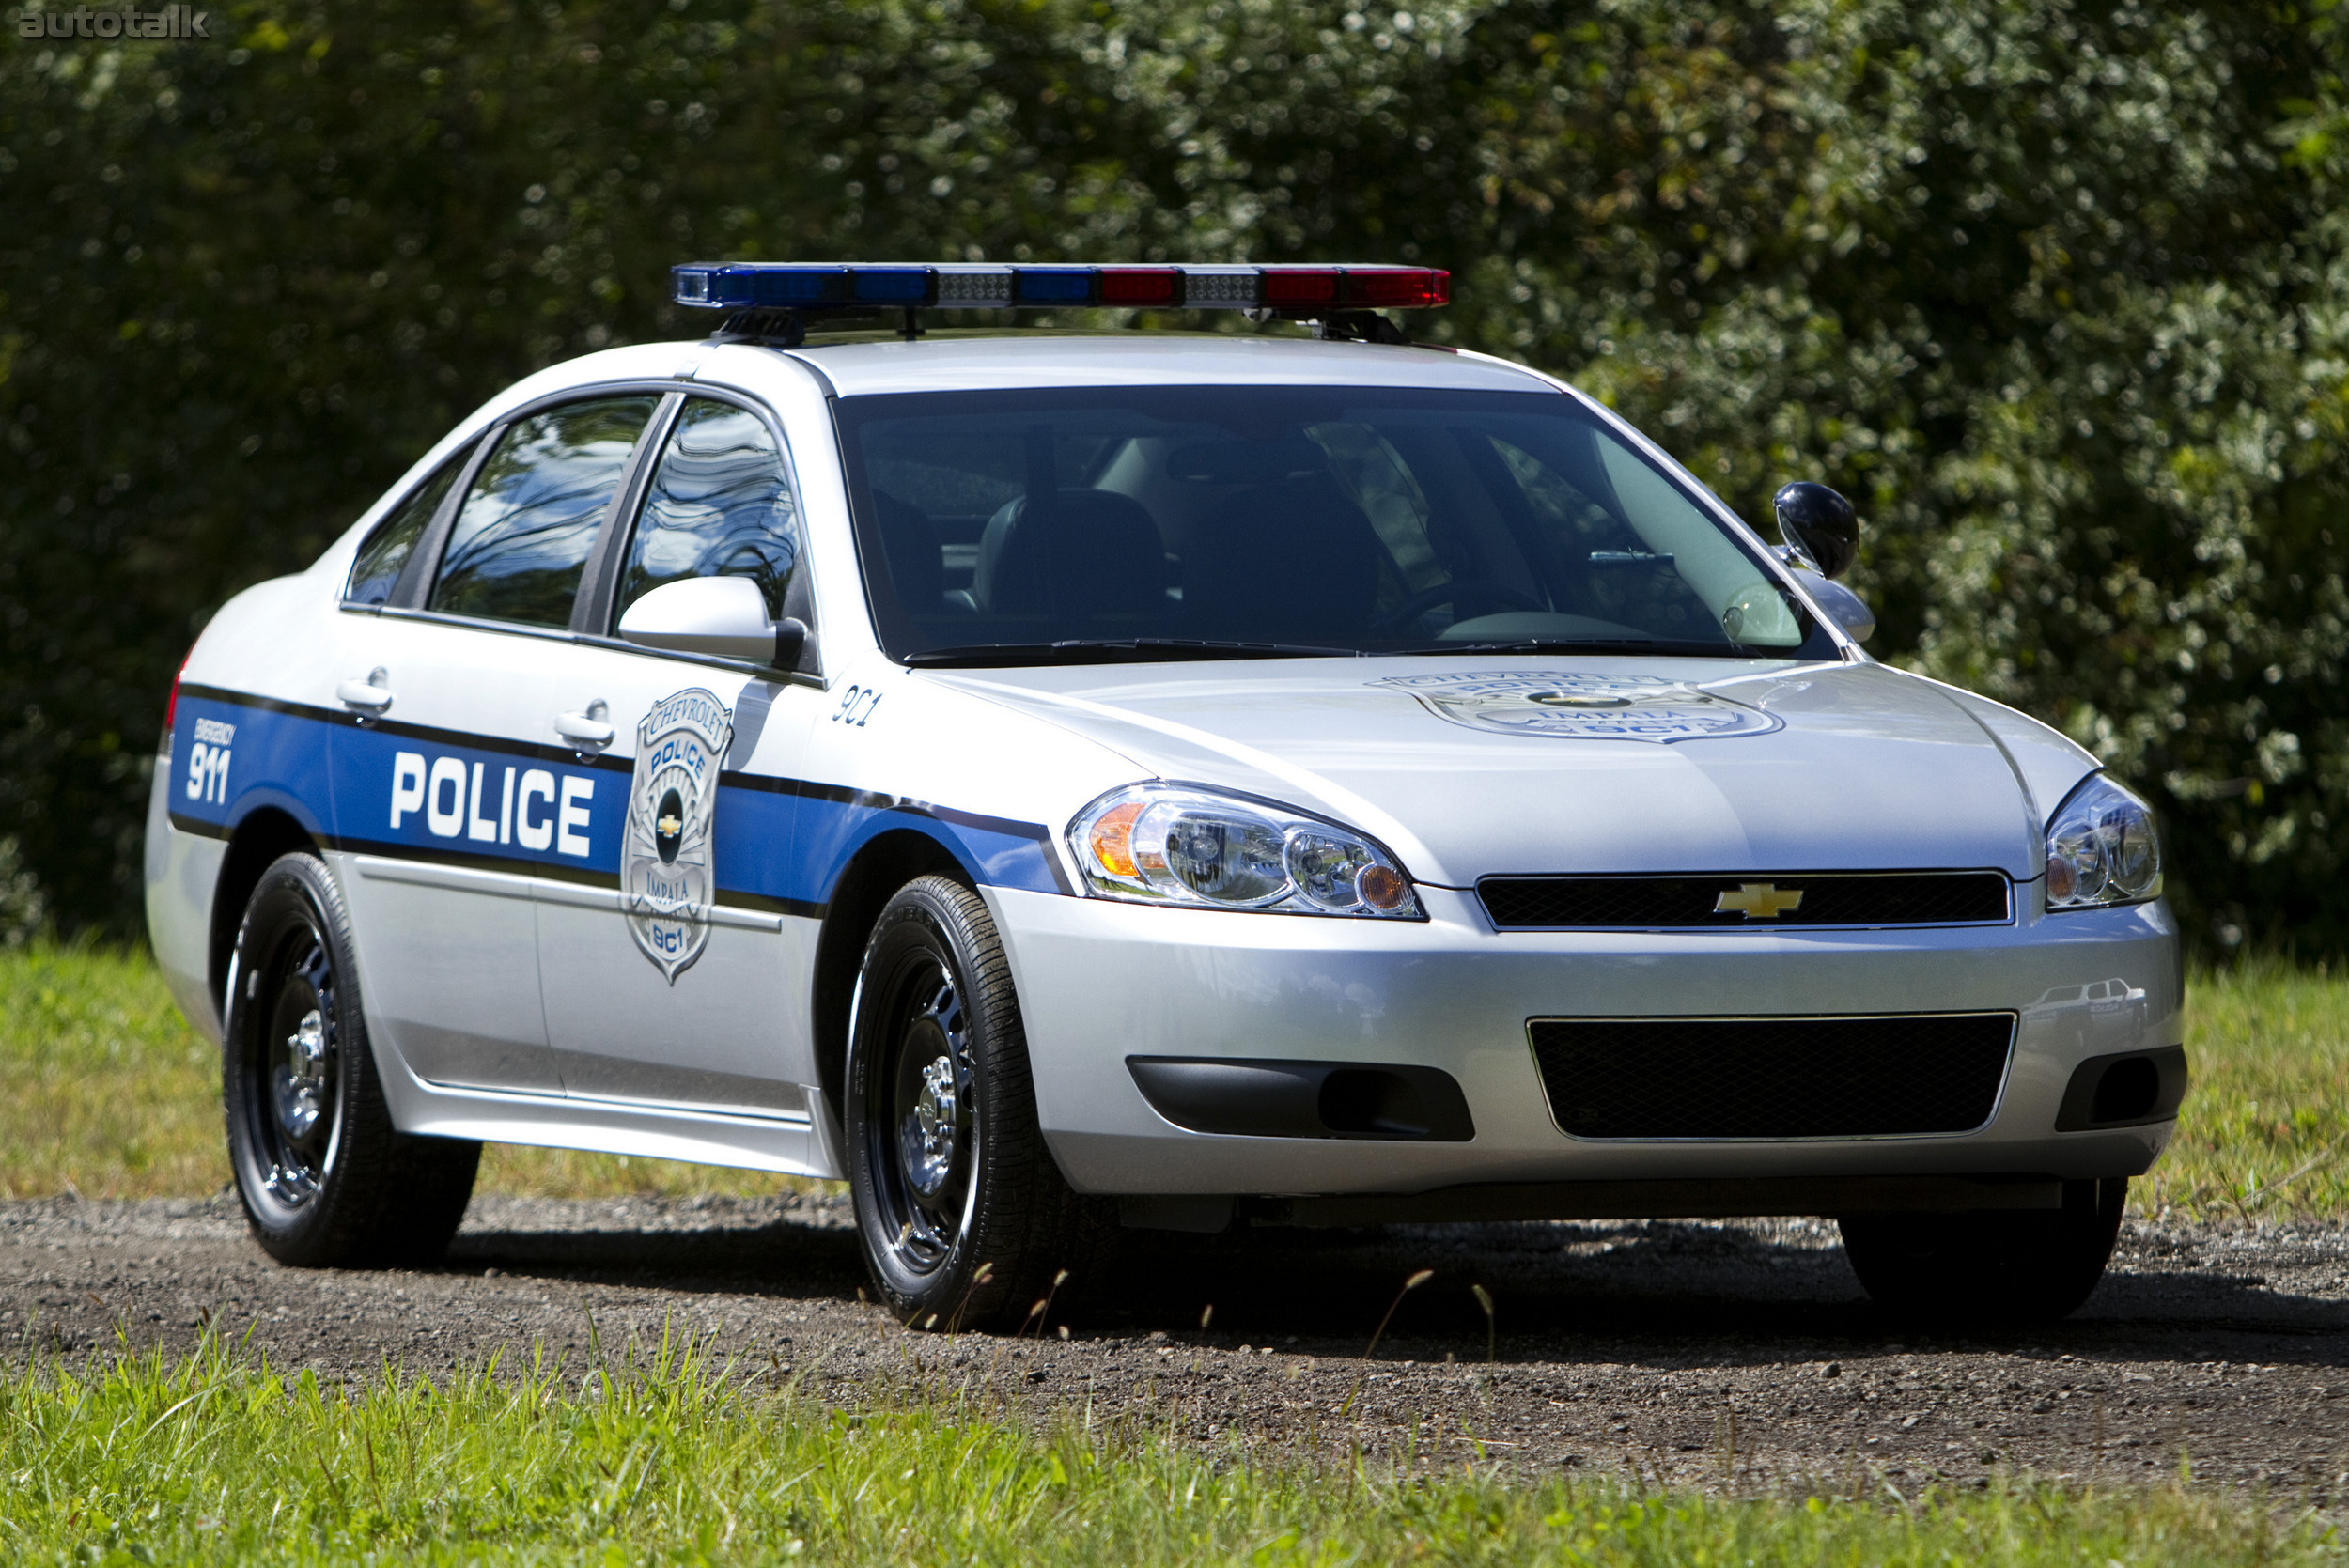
[[1067, 785]]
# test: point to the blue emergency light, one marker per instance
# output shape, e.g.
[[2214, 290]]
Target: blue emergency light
[[816, 287]]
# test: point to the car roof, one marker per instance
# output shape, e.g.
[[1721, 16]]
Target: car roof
[[1044, 359]]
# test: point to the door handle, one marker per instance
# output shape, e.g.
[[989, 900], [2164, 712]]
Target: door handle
[[590, 730], [366, 696]]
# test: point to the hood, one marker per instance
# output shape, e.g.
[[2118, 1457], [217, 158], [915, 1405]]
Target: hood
[[1472, 766]]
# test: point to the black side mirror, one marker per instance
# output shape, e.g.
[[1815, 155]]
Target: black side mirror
[[1818, 525], [791, 635]]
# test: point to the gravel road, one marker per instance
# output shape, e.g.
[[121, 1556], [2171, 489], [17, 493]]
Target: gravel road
[[1740, 1355]]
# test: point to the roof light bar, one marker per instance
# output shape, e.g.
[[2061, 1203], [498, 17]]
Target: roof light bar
[[1303, 291]]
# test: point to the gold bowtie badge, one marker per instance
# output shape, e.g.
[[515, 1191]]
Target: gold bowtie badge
[[1759, 901]]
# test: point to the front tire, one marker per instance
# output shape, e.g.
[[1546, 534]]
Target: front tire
[[965, 1219], [1991, 1267], [325, 1178]]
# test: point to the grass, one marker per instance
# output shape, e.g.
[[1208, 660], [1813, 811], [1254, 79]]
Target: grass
[[2265, 1128], [104, 1090], [667, 1457], [672, 1459]]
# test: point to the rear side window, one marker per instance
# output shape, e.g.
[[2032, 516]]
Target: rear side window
[[377, 571], [719, 505], [531, 519]]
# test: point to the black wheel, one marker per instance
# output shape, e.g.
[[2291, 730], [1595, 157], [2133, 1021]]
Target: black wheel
[[2013, 1266], [965, 1219], [325, 1178]]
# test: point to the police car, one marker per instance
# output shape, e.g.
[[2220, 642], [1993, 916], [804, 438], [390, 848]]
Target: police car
[[1071, 784]]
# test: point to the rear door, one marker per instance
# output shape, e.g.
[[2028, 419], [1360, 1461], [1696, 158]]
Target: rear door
[[455, 790], [672, 982]]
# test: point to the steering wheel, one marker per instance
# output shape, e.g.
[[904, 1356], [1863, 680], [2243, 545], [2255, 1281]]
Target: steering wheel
[[1460, 591]]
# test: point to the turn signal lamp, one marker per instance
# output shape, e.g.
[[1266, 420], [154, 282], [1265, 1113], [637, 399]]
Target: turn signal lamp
[[816, 287], [1111, 839]]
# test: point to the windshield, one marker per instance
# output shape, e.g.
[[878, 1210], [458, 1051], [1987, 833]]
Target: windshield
[[1199, 521]]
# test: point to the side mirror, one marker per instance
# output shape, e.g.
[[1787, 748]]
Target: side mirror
[[724, 617], [1818, 525]]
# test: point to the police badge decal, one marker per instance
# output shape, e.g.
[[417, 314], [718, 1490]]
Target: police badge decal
[[1576, 706], [668, 866]]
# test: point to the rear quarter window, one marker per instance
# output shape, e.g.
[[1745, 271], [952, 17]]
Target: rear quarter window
[[375, 570]]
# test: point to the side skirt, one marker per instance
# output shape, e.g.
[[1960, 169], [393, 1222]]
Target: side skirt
[[790, 1144]]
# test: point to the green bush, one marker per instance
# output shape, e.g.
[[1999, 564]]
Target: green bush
[[2056, 291]]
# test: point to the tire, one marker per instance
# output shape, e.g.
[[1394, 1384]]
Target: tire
[[1988, 1267], [325, 1178], [964, 1219]]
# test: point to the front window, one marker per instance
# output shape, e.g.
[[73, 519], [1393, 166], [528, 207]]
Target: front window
[[719, 505], [1180, 521]]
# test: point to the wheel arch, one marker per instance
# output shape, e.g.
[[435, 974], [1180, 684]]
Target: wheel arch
[[258, 841], [871, 877]]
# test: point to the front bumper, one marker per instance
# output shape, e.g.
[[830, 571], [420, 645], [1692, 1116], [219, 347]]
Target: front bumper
[[1100, 981]]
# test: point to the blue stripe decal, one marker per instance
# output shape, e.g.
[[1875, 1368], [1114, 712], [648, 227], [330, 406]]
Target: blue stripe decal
[[394, 789], [228, 760]]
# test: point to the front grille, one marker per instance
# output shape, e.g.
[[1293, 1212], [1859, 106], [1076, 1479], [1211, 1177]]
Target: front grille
[[1772, 1078], [1829, 898]]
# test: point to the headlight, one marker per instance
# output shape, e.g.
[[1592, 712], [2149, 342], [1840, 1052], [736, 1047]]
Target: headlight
[[2102, 848], [1164, 844]]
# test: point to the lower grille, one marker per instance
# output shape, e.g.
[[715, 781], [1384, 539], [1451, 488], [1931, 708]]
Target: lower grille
[[1791, 898], [1772, 1078]]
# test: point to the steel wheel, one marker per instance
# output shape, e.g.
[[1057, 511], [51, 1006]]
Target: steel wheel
[[923, 1130], [964, 1219], [296, 1123], [324, 1176]]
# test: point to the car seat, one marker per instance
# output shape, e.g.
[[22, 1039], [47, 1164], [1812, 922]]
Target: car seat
[[916, 561]]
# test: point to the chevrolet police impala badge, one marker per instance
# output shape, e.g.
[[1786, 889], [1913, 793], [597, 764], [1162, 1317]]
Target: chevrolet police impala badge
[[668, 867], [1574, 707]]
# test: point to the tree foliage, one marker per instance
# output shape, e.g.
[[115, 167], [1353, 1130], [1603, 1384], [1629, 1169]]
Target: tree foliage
[[2058, 291]]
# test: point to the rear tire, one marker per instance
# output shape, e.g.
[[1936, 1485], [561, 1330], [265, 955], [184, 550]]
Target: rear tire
[[2005, 1267], [964, 1217], [325, 1178]]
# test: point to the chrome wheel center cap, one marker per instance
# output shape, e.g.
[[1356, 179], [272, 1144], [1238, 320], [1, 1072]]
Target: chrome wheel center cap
[[302, 1082], [930, 1151]]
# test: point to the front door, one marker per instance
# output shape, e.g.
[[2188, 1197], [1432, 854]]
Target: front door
[[680, 979]]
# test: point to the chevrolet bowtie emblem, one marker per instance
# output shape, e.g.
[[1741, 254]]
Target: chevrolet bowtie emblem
[[1758, 901]]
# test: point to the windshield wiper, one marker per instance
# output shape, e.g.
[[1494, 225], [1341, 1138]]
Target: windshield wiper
[[1112, 650], [1664, 645]]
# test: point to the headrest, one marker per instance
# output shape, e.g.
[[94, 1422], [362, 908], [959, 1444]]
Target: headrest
[[1290, 561], [1082, 553]]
